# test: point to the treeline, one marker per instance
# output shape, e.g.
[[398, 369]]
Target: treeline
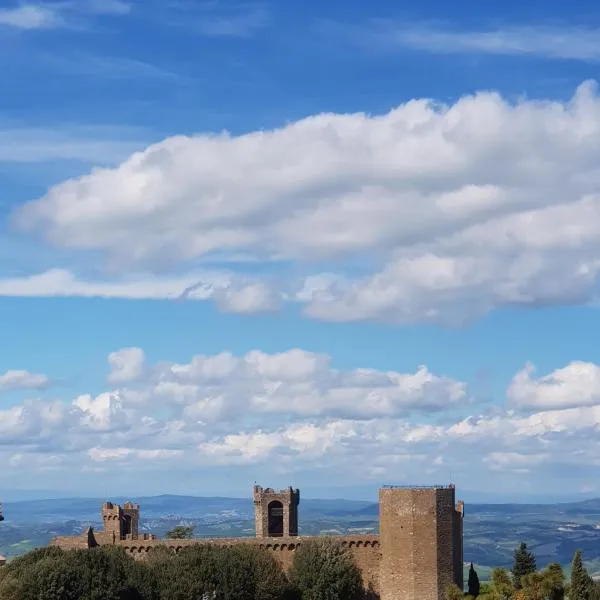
[[526, 582], [321, 569]]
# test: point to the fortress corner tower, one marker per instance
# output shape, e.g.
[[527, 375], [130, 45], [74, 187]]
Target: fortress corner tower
[[276, 513], [420, 532]]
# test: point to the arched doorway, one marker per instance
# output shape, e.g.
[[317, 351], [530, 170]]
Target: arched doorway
[[275, 509]]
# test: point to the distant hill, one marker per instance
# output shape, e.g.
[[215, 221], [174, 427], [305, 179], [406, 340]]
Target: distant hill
[[88, 509]]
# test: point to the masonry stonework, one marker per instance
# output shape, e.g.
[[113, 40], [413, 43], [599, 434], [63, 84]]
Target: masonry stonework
[[276, 513], [417, 553]]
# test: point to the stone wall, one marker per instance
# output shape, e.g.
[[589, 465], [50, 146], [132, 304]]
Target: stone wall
[[365, 550]]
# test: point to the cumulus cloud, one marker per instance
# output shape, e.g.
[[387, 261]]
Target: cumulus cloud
[[22, 380], [577, 384], [126, 365], [294, 412], [302, 384], [460, 208], [210, 395]]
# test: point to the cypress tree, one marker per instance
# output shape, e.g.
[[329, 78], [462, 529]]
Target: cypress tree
[[524, 564], [580, 580], [473, 584]]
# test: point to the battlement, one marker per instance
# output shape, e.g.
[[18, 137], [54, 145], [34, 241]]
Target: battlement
[[449, 486], [260, 493]]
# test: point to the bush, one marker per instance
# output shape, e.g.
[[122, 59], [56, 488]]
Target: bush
[[323, 570]]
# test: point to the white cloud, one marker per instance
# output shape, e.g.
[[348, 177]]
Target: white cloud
[[210, 395], [229, 292], [51, 15], [577, 384], [110, 454], [302, 384], [552, 42], [30, 16], [514, 462], [250, 299], [310, 420], [126, 365], [459, 209], [22, 380]]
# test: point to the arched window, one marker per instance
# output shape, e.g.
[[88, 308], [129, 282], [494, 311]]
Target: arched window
[[126, 524], [275, 509]]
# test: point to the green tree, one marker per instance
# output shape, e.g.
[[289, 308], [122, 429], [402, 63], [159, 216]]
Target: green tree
[[554, 578], [180, 533], [534, 586], [188, 575], [503, 588], [323, 570], [269, 580], [524, 564], [595, 591], [453, 592], [473, 583], [96, 574], [581, 583]]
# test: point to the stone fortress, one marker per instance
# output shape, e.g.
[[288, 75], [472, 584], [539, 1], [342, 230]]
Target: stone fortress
[[418, 552]]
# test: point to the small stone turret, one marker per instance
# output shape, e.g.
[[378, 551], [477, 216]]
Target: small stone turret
[[121, 523], [276, 513]]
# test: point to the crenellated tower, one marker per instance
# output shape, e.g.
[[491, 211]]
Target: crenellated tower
[[276, 513], [121, 523]]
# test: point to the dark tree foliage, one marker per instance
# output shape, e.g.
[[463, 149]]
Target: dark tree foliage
[[199, 572], [180, 533], [323, 570], [524, 564], [473, 584], [53, 574], [582, 585], [595, 591], [555, 579]]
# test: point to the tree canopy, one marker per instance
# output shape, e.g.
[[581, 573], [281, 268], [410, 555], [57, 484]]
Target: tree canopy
[[180, 533], [524, 564], [321, 570]]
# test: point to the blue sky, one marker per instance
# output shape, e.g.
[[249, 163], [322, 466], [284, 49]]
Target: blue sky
[[337, 245]]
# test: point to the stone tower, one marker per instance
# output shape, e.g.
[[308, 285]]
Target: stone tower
[[131, 520], [121, 523], [420, 532], [276, 513]]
